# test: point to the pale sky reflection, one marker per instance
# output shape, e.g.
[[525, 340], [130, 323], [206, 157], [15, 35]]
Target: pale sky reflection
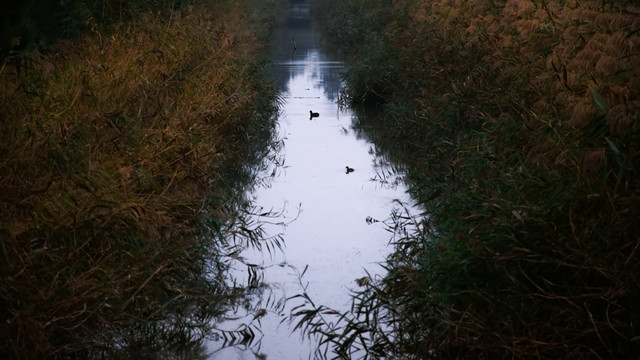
[[330, 235]]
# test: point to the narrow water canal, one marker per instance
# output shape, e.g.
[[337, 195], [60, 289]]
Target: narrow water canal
[[325, 208]]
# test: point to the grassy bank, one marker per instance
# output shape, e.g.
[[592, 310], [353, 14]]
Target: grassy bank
[[123, 152], [522, 121]]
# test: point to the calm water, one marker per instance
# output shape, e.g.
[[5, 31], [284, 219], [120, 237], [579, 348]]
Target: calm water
[[324, 209]]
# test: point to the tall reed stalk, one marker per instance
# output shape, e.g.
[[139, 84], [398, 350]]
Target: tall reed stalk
[[123, 156], [522, 118]]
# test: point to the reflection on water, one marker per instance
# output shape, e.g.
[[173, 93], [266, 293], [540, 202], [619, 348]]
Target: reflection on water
[[392, 155], [333, 192]]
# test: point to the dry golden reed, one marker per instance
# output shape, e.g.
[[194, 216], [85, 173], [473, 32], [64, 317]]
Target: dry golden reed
[[526, 131], [583, 113], [113, 159]]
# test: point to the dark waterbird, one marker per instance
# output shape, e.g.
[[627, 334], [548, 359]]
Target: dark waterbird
[[313, 114], [350, 170]]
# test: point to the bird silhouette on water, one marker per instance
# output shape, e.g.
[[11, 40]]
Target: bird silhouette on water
[[313, 114], [350, 169]]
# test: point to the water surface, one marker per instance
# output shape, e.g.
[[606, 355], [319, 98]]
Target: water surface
[[325, 209]]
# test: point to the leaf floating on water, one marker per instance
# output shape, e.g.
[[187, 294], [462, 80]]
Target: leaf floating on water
[[260, 313]]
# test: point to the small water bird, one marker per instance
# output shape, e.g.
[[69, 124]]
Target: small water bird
[[349, 169], [313, 114]]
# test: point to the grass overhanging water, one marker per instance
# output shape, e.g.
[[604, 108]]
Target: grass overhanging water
[[127, 148], [522, 123]]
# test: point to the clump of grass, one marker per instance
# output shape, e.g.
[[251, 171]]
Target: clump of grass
[[522, 122], [122, 152]]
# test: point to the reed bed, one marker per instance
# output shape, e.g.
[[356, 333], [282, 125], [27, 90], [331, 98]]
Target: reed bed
[[522, 122], [124, 154]]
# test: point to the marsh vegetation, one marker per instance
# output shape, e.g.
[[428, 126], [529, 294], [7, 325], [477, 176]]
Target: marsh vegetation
[[129, 132], [127, 139], [521, 118]]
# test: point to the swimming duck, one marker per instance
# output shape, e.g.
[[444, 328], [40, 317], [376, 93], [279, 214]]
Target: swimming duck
[[313, 114], [350, 170]]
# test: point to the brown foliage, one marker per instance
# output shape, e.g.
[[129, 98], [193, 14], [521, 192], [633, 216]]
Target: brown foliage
[[113, 155], [527, 127], [556, 83]]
